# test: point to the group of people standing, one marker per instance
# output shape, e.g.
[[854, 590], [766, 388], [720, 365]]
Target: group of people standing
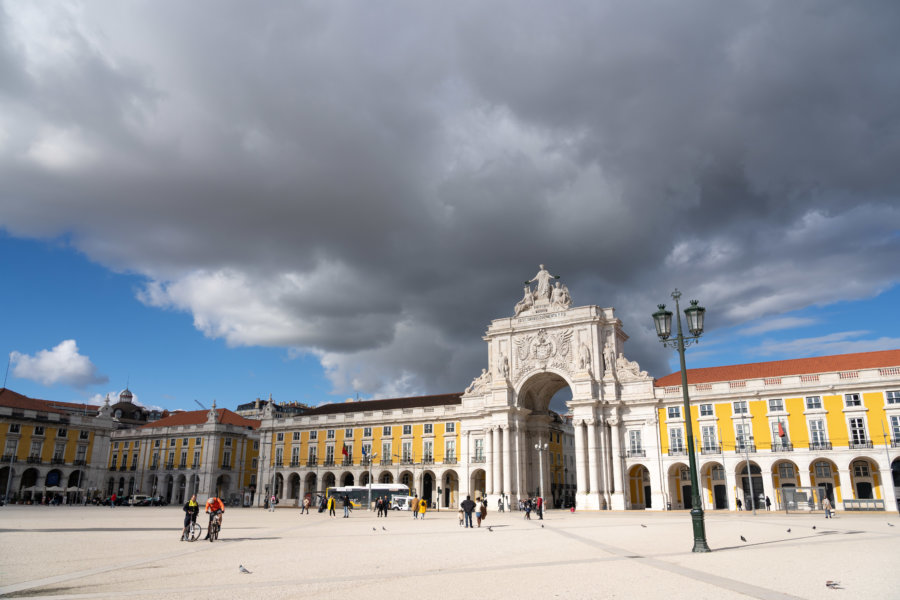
[[468, 506], [532, 504]]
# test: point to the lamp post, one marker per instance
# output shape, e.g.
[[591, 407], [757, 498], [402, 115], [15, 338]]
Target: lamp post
[[540, 448], [663, 320], [370, 459]]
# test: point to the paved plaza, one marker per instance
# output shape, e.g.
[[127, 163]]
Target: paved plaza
[[93, 552]]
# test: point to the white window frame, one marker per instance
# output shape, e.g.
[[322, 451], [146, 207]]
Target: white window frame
[[852, 400], [892, 397], [450, 428], [706, 410], [676, 439], [407, 430], [428, 428], [673, 412], [740, 407], [776, 404], [813, 402]]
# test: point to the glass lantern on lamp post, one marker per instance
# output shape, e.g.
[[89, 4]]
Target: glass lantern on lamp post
[[663, 321]]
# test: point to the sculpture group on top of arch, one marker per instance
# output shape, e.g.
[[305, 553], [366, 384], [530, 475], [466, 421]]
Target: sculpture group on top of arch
[[545, 295]]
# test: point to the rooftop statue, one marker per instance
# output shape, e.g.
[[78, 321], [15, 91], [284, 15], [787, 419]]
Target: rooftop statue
[[545, 295]]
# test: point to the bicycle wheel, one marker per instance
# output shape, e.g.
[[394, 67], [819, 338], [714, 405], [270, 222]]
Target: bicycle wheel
[[213, 530], [194, 531]]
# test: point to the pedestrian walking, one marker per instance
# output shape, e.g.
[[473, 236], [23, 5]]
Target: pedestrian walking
[[346, 500], [331, 503], [423, 506], [272, 502], [305, 507], [740, 504], [826, 504], [768, 503], [468, 507], [540, 508], [414, 506]]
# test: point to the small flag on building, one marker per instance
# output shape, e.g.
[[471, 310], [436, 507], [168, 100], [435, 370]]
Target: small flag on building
[[781, 431], [344, 450]]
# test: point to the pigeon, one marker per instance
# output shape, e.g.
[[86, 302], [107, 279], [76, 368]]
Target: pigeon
[[890, 524], [789, 529], [814, 526], [489, 528], [373, 529], [384, 528], [835, 585], [542, 525], [644, 526], [243, 570], [743, 539]]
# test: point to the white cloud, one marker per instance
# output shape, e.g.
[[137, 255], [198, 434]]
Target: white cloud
[[778, 324], [843, 342], [62, 364]]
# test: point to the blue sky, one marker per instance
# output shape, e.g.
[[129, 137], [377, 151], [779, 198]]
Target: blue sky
[[221, 202]]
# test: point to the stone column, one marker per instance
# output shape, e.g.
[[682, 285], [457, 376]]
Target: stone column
[[593, 470], [604, 465], [731, 485], [498, 461], [488, 460], [520, 462], [580, 466], [466, 458], [615, 449], [846, 489], [506, 488]]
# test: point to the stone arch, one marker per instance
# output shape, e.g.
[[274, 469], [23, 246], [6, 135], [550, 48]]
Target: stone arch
[[407, 479], [449, 488], [279, 487], [823, 473], [223, 485], [53, 478], [895, 474], [131, 488], [639, 492], [293, 489], [429, 487], [750, 486], [310, 485], [328, 480], [864, 479], [181, 486], [713, 482], [347, 479], [386, 477], [535, 391], [74, 478], [679, 476], [364, 478], [477, 483]]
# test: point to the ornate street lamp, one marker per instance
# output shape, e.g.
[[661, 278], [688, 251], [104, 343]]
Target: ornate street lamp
[[663, 320]]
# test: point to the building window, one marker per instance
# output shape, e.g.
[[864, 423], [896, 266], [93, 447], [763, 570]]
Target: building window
[[740, 407], [451, 428], [857, 431], [172, 442], [81, 453], [823, 469], [386, 451], [256, 444], [367, 450], [59, 450], [777, 438], [852, 400], [196, 463], [156, 443], [813, 402], [895, 428], [674, 412], [279, 456], [450, 450], [279, 437], [348, 433], [367, 432], [115, 445], [184, 441], [428, 450], [254, 464], [14, 428], [137, 444], [313, 454], [295, 455], [329, 434], [39, 430], [228, 442], [776, 405], [198, 441], [407, 430], [406, 451], [676, 439], [83, 435], [786, 470], [860, 468], [329, 454], [817, 431], [893, 397], [115, 461], [708, 436], [429, 428], [479, 449], [296, 436], [183, 462], [743, 435], [718, 473], [706, 410], [634, 441], [61, 433], [386, 430]]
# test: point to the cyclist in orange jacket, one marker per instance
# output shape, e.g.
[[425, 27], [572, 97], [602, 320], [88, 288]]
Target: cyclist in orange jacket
[[214, 508]]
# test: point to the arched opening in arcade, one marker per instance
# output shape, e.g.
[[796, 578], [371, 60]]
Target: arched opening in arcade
[[864, 478], [477, 483], [6, 474], [294, 488], [364, 478], [450, 489], [386, 477], [823, 474], [429, 489], [223, 486], [406, 478], [680, 491], [182, 490], [750, 487], [310, 486], [712, 480], [895, 475], [639, 492], [347, 479], [328, 481]]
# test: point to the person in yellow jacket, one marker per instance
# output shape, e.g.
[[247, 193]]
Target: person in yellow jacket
[[331, 504], [423, 506]]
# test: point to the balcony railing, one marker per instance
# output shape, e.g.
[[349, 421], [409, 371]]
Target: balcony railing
[[170, 466], [860, 445], [635, 452], [347, 462], [677, 451], [226, 467], [328, 463], [195, 466], [386, 462], [132, 468], [407, 461], [8, 458], [449, 460], [783, 447], [154, 467], [34, 460], [745, 449], [478, 459], [295, 463], [79, 462], [112, 467], [711, 449], [820, 445], [123, 468], [428, 460], [57, 461], [312, 463]]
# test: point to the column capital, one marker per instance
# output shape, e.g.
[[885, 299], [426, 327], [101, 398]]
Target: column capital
[[613, 421]]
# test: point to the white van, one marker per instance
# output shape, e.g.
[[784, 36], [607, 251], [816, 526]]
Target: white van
[[401, 502], [137, 499]]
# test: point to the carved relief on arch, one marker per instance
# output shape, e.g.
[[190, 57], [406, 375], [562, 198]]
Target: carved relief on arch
[[543, 350]]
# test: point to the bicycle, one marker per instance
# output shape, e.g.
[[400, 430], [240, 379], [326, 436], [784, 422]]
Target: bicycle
[[194, 531], [214, 527]]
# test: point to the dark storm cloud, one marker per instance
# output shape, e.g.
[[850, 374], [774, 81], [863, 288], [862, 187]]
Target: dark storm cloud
[[373, 183]]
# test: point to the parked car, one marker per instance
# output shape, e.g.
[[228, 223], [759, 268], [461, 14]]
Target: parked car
[[401, 502], [138, 499], [155, 501]]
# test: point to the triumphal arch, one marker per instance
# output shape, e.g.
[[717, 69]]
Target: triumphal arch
[[546, 345]]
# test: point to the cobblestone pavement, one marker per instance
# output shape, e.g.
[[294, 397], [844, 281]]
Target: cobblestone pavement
[[93, 552]]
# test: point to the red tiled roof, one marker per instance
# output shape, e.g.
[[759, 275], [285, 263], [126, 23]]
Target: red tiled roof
[[198, 417], [384, 404], [784, 368], [16, 400]]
